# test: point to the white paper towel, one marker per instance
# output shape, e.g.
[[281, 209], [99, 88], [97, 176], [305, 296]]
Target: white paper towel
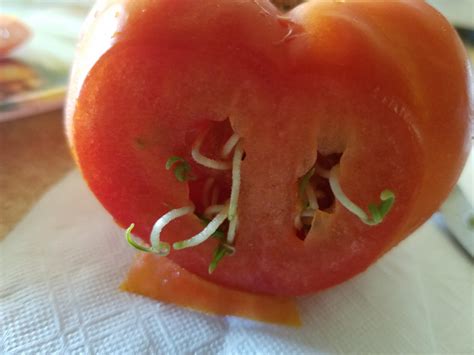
[[61, 267]]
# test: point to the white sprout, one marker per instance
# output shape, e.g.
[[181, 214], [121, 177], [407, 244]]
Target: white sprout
[[233, 224], [221, 212], [205, 161], [235, 191], [206, 233], [322, 172], [378, 212], [213, 210], [161, 223], [229, 145], [311, 195], [308, 213], [341, 196], [298, 222]]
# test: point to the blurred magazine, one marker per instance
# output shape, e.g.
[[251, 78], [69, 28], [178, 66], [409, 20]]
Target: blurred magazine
[[34, 76]]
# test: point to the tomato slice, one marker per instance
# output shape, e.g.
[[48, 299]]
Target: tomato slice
[[161, 279], [321, 83]]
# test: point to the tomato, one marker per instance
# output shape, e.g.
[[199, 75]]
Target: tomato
[[378, 91]]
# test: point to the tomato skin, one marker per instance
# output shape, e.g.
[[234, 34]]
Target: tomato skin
[[383, 82]]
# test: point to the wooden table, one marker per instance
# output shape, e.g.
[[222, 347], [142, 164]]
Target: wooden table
[[33, 156]]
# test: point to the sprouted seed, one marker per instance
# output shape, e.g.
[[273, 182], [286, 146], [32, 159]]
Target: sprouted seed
[[233, 224], [158, 247], [234, 194], [213, 210], [166, 219], [230, 145], [322, 172], [229, 211], [308, 213], [217, 256], [181, 170], [221, 213], [235, 191], [206, 233], [130, 239], [205, 161], [218, 234], [378, 212], [309, 199], [221, 250]]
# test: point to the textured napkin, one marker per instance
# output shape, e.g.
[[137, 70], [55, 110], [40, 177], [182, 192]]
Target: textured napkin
[[62, 265]]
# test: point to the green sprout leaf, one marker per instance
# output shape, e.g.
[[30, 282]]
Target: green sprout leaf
[[182, 168], [388, 199], [172, 160], [132, 242], [374, 210], [219, 253], [221, 250], [377, 212], [162, 249]]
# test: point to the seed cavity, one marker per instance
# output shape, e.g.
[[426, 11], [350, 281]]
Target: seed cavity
[[319, 188], [215, 215]]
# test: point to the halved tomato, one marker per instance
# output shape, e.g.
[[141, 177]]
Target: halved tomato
[[326, 106]]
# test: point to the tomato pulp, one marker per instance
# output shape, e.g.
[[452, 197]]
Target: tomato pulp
[[378, 89]]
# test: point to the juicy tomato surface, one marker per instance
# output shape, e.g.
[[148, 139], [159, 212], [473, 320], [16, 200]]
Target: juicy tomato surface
[[381, 89]]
